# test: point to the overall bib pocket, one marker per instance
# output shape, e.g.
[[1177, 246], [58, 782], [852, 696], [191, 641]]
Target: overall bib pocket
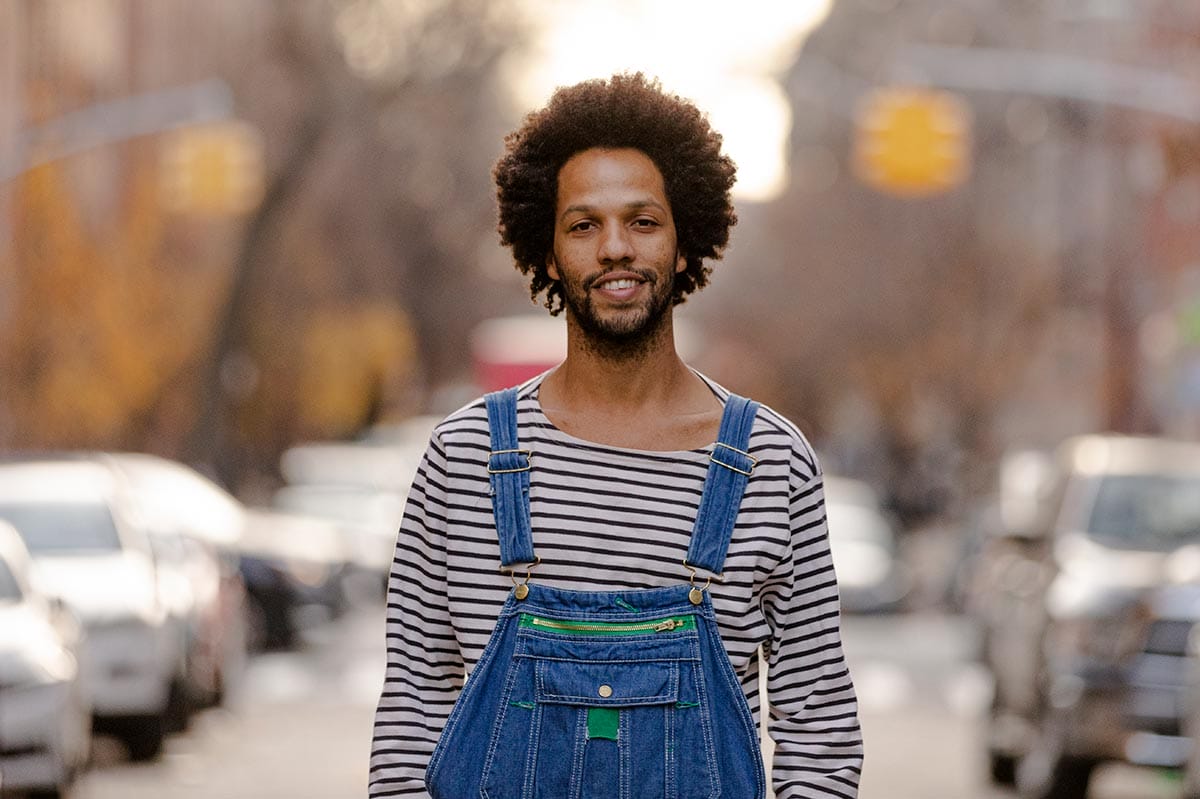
[[598, 710]]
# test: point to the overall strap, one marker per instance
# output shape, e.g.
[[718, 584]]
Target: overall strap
[[728, 472], [508, 471]]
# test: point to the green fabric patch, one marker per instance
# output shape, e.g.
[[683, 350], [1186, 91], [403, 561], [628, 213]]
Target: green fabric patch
[[603, 722]]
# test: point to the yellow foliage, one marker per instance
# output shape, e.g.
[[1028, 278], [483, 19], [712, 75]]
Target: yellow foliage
[[350, 355], [101, 321]]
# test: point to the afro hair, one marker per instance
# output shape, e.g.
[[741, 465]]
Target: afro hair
[[624, 111]]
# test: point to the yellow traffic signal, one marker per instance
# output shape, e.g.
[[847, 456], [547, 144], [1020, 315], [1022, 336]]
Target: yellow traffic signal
[[912, 142], [213, 169]]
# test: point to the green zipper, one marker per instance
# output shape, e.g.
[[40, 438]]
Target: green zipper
[[649, 627]]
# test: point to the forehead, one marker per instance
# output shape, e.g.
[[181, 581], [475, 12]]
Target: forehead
[[595, 175]]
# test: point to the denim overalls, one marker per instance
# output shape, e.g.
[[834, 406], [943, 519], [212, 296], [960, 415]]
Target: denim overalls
[[604, 695]]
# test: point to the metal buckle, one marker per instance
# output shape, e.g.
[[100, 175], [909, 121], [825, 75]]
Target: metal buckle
[[720, 578], [696, 595], [753, 460], [521, 589], [528, 461]]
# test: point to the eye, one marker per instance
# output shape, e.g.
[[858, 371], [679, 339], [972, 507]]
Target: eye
[[645, 222], [582, 226]]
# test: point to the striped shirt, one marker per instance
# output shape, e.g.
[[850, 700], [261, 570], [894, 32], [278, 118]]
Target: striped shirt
[[612, 518]]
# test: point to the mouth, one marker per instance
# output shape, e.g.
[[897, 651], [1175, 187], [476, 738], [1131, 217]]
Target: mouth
[[619, 286]]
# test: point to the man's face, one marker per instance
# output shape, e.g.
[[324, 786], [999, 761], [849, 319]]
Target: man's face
[[615, 251]]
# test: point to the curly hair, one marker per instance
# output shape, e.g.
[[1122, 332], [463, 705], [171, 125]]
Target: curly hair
[[625, 111]]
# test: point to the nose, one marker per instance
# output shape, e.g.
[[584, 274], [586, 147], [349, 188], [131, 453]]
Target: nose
[[615, 245]]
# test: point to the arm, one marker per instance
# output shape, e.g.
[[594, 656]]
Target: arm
[[424, 664], [813, 711]]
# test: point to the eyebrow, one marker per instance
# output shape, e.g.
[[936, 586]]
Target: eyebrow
[[629, 206]]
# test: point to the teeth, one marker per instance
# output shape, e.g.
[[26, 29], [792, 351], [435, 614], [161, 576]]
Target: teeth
[[613, 285]]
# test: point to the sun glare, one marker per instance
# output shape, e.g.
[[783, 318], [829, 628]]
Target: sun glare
[[724, 56]]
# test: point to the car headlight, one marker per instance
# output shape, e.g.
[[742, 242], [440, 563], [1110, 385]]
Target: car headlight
[[309, 573], [41, 666]]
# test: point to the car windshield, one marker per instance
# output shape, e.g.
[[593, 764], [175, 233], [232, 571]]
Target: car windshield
[[51, 527], [1151, 511], [9, 590]]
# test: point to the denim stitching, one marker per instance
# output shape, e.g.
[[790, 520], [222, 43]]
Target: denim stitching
[[624, 747], [670, 692], [531, 754], [725, 668], [706, 730], [575, 787], [505, 697], [456, 714], [670, 718]]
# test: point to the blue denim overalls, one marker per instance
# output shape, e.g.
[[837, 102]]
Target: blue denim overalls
[[604, 695]]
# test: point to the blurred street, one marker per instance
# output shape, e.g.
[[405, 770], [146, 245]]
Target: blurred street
[[249, 257], [299, 727], [922, 700], [301, 724]]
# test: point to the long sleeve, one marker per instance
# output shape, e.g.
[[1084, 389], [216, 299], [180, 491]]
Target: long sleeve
[[813, 711], [424, 662]]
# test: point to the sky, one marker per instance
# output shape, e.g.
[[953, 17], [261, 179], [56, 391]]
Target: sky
[[725, 56]]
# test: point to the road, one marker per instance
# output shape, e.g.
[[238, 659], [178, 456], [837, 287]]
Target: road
[[299, 727]]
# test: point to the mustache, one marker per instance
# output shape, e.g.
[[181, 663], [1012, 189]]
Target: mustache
[[644, 274]]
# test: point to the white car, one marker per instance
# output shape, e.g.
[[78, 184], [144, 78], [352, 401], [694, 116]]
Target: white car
[[45, 718], [368, 517], [87, 554], [195, 529], [871, 577]]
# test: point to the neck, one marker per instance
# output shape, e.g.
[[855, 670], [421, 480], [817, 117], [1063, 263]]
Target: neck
[[630, 375]]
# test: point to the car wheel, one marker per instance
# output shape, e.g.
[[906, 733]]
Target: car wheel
[[60, 792], [1047, 772], [1002, 768], [144, 736]]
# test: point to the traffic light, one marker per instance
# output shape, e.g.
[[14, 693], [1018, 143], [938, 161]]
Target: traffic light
[[213, 169], [912, 142]]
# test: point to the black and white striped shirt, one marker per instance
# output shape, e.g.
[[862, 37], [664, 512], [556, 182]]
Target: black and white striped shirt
[[611, 518]]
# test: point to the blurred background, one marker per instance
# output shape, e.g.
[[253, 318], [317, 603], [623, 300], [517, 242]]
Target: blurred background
[[248, 258]]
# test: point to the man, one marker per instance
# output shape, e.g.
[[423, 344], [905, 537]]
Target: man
[[611, 199]]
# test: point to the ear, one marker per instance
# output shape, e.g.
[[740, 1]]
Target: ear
[[552, 267], [680, 261]]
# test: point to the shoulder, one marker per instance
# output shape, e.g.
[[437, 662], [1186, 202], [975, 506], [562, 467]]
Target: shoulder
[[468, 426], [776, 437]]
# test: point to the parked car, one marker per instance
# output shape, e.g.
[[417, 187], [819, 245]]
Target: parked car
[[368, 518], [195, 529], [295, 570], [862, 538], [1082, 615], [88, 555], [45, 717], [1191, 720]]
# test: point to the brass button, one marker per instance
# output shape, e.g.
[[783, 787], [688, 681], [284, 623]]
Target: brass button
[[605, 691]]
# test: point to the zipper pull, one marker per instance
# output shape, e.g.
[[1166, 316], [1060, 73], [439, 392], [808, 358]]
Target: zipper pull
[[666, 626]]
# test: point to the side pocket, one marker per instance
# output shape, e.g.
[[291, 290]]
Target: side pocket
[[691, 752], [446, 774], [512, 745]]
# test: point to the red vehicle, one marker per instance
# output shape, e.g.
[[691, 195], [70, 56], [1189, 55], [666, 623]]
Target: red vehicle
[[511, 349]]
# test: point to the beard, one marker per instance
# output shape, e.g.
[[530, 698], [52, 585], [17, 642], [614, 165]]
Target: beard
[[620, 331]]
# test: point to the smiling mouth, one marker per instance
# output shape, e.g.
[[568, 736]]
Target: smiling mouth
[[617, 285]]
